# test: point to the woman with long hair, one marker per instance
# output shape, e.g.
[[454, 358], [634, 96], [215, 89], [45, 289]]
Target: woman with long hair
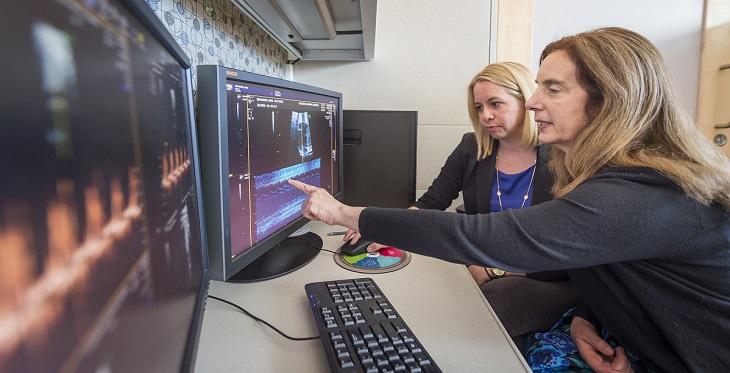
[[640, 218]]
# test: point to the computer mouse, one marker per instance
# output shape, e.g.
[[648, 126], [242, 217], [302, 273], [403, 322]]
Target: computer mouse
[[359, 247]]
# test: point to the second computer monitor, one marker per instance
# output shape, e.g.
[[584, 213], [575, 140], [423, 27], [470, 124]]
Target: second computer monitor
[[256, 133], [379, 158]]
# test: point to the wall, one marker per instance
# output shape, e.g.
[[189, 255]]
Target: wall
[[674, 26], [216, 32], [426, 52]]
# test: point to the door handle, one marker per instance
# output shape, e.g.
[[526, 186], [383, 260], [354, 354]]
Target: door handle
[[725, 66]]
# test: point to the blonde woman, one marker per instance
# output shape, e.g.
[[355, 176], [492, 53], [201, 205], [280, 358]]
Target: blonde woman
[[499, 167], [641, 215]]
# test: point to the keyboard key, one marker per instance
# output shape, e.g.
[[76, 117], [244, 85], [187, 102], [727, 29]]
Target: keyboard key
[[356, 338], [414, 347], [342, 353], [399, 328], [393, 357], [363, 351], [421, 359], [399, 366], [346, 363]]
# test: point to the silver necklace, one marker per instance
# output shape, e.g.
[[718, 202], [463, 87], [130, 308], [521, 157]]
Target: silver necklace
[[527, 193]]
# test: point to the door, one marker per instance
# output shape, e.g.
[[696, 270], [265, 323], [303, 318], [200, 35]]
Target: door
[[713, 108]]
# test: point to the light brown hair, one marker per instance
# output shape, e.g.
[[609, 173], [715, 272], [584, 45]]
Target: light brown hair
[[635, 118]]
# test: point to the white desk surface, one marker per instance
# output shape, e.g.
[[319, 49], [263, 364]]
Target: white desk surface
[[438, 300]]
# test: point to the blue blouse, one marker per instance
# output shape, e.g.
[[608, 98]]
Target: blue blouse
[[513, 188]]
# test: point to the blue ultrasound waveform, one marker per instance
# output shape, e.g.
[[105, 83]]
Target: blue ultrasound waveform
[[300, 133], [276, 202], [284, 174]]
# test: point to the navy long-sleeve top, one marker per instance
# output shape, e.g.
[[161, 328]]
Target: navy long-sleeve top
[[462, 172]]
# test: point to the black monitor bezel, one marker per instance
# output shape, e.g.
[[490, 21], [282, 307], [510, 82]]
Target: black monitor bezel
[[214, 141], [153, 25]]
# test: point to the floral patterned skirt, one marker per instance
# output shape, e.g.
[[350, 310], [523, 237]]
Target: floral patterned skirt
[[555, 351]]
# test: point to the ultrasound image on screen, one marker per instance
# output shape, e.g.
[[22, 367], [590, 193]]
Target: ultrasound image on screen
[[275, 135], [100, 251], [299, 133]]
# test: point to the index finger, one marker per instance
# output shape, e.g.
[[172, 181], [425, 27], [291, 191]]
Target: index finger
[[306, 188]]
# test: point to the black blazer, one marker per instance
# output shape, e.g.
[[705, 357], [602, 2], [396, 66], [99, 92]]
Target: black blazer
[[463, 173]]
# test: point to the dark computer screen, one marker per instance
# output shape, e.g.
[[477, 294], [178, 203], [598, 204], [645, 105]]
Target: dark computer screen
[[102, 264], [379, 155], [260, 133]]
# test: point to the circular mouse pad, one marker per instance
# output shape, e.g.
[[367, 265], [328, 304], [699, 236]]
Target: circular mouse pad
[[387, 259]]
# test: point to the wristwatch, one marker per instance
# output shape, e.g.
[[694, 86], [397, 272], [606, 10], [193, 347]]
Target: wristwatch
[[495, 272]]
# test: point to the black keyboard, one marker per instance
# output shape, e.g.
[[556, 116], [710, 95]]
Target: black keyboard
[[362, 332]]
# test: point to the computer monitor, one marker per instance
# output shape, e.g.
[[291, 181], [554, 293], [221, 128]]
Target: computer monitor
[[102, 265], [379, 154], [256, 132]]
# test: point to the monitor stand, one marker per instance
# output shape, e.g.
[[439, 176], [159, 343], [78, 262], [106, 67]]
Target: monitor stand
[[287, 256]]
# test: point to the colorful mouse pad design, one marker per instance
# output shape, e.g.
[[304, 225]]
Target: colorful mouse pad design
[[385, 260]]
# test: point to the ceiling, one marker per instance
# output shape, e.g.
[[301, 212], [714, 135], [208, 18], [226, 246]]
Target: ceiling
[[318, 29]]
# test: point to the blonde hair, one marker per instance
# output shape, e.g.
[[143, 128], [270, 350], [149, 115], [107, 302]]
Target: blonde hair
[[635, 118], [519, 82]]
